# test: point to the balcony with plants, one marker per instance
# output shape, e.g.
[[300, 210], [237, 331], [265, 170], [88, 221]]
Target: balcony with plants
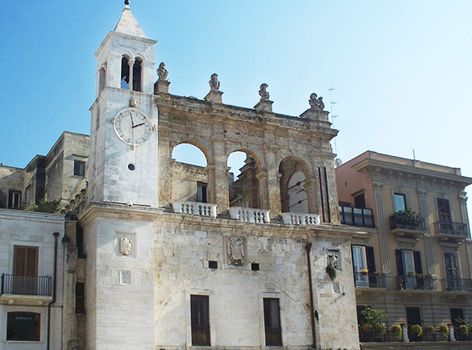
[[407, 222]]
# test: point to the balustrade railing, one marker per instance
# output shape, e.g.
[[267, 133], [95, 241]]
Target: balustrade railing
[[300, 219], [26, 285], [195, 208], [258, 216], [450, 228]]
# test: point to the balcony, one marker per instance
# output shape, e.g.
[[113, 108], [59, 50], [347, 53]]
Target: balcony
[[407, 225], [25, 290], [456, 285], [356, 216], [416, 282], [300, 219], [370, 280], [450, 231], [258, 216], [196, 208]]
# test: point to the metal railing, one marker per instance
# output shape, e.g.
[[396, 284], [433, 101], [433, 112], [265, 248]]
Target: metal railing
[[450, 228], [26, 285], [370, 280], [356, 216], [414, 223], [418, 282], [456, 285]]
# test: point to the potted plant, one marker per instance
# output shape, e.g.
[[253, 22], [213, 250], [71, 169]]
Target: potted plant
[[411, 274], [416, 328], [364, 271], [396, 330], [376, 273], [331, 271], [443, 330], [430, 329], [463, 329], [373, 325]]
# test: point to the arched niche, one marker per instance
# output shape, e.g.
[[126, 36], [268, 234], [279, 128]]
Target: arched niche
[[189, 178], [293, 186]]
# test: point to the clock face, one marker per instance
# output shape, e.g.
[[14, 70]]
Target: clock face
[[132, 127]]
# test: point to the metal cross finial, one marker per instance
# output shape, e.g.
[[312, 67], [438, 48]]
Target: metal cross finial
[[126, 2]]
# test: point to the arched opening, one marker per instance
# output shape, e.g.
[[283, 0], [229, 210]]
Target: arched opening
[[293, 191], [189, 176], [243, 183], [125, 73], [137, 75]]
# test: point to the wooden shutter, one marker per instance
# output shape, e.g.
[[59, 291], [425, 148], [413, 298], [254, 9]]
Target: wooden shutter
[[400, 268], [418, 267], [25, 261], [369, 251], [200, 320]]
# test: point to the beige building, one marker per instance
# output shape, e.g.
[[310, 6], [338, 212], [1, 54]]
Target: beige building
[[412, 254]]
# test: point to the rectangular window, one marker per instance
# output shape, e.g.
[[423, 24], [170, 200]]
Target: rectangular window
[[24, 326], [28, 194], [359, 261], [25, 261], [400, 201], [444, 210], [359, 201], [79, 168], [273, 330], [408, 266], [453, 280], [200, 320], [79, 298], [14, 199], [202, 192]]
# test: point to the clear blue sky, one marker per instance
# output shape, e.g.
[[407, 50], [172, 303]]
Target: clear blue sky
[[402, 70]]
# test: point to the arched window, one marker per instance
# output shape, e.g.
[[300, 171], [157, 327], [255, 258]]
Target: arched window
[[293, 192], [125, 73], [243, 181], [102, 77], [137, 75]]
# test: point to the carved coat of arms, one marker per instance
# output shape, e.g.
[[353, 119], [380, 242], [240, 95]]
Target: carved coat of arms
[[236, 251], [126, 246]]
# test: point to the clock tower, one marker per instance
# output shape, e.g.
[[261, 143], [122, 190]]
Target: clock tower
[[124, 158]]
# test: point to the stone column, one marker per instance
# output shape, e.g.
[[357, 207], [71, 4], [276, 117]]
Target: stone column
[[262, 178], [165, 170], [220, 173], [313, 195], [130, 76], [383, 228]]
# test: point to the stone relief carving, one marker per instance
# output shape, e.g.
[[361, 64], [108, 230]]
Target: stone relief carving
[[263, 93], [316, 102], [133, 103], [214, 83], [162, 72], [126, 245], [236, 251], [333, 259]]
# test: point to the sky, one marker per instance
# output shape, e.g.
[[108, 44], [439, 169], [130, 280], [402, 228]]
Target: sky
[[400, 72]]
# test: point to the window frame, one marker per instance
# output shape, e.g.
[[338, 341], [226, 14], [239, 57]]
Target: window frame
[[16, 203], [79, 167], [272, 330], [17, 336], [399, 194], [200, 325]]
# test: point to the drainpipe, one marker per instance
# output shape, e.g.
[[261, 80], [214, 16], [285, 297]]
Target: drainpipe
[[54, 284], [310, 284]]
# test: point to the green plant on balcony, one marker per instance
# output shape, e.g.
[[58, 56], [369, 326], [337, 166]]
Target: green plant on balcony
[[416, 328], [443, 330], [430, 329], [374, 320], [44, 206], [408, 217], [463, 329], [411, 273], [364, 271], [396, 330]]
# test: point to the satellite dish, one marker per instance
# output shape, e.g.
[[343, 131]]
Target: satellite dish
[[337, 162]]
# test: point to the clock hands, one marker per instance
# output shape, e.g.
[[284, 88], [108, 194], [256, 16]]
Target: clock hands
[[135, 126]]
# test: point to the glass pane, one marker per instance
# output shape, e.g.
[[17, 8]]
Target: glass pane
[[399, 201]]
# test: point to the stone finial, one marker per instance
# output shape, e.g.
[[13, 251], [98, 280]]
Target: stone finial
[[162, 84], [264, 105], [127, 2], [215, 95], [214, 83], [263, 93], [316, 111]]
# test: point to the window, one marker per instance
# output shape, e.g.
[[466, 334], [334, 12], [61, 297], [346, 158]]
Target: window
[[408, 266], [444, 210], [25, 261], [273, 330], [124, 73], [202, 192], [23, 326], [413, 316], [453, 280], [359, 201], [137, 68], [362, 260], [400, 201], [79, 168], [200, 320], [212, 264], [79, 298], [255, 266], [14, 199]]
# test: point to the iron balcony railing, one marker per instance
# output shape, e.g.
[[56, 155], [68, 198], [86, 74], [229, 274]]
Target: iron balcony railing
[[398, 221], [456, 285], [450, 228], [416, 281], [370, 280], [356, 216], [26, 285]]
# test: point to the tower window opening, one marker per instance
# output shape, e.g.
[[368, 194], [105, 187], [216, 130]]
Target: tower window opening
[[124, 73], [137, 68]]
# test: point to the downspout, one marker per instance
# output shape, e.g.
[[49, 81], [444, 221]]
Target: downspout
[[48, 342], [310, 284]]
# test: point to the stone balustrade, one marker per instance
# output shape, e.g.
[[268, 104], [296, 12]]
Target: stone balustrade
[[196, 208], [300, 219], [258, 216]]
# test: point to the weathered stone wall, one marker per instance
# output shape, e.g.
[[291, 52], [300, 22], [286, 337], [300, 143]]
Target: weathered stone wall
[[11, 178]]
